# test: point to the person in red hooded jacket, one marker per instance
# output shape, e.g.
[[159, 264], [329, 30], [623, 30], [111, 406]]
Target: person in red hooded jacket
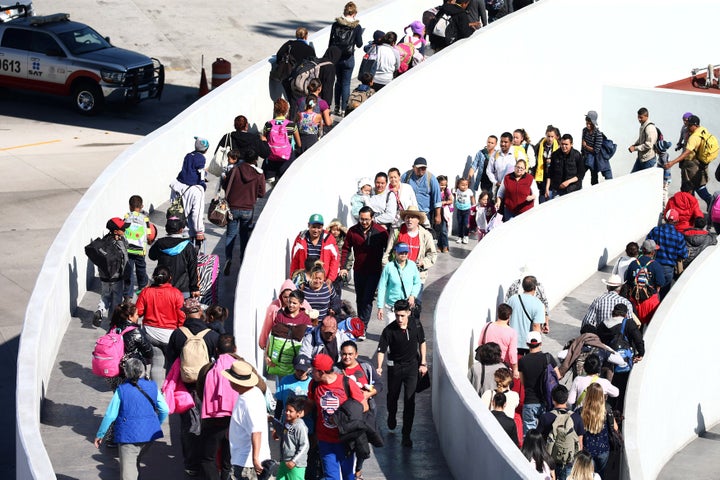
[[316, 242]]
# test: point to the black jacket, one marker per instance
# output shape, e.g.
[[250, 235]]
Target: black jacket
[[180, 260], [299, 50], [178, 338], [457, 29], [136, 344], [633, 337], [565, 166], [244, 141]]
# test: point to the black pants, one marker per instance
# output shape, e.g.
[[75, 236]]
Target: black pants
[[190, 443], [213, 437], [365, 286], [402, 375]]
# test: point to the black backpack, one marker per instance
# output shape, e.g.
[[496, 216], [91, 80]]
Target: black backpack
[[107, 257], [341, 36], [283, 67]]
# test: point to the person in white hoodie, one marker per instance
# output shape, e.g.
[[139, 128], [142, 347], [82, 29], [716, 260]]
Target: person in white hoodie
[[387, 62]]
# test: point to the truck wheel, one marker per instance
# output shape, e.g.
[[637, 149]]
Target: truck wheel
[[88, 98]]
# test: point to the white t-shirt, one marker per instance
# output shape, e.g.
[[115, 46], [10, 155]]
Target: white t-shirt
[[463, 200], [248, 416]]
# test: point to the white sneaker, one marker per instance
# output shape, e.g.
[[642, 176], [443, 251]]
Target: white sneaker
[[459, 240], [465, 240]]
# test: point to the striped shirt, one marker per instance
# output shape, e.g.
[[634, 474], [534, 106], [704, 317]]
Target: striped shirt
[[601, 308], [319, 299]]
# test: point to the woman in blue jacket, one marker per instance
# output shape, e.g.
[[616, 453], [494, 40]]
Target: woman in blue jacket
[[138, 409], [400, 280]]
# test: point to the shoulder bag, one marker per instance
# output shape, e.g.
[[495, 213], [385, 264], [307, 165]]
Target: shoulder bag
[[219, 211], [220, 159]]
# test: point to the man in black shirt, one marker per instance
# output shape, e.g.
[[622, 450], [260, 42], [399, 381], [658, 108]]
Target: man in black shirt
[[531, 368], [404, 338]]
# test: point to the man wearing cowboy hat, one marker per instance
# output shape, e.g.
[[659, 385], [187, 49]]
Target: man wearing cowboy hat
[[601, 308], [248, 433], [422, 246]]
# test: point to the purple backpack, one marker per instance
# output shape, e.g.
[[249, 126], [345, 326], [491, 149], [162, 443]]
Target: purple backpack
[[278, 141]]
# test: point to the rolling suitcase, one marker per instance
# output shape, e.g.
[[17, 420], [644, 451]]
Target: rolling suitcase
[[208, 266]]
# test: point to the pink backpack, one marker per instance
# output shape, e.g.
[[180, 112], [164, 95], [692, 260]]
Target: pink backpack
[[715, 211], [278, 141], [407, 50], [108, 353]]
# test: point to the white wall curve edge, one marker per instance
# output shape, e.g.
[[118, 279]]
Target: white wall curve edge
[[63, 277]]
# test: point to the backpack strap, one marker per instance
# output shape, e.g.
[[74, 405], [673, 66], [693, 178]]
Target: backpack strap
[[189, 335], [154, 405]]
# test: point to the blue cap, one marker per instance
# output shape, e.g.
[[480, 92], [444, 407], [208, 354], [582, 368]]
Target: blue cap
[[402, 248]]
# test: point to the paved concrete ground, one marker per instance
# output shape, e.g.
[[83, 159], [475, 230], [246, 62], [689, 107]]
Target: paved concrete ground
[[699, 460], [50, 155]]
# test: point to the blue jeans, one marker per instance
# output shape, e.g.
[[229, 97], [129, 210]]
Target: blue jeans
[[239, 226], [643, 165], [343, 76], [137, 263], [600, 462], [111, 295], [463, 217], [337, 466], [443, 235], [562, 472], [530, 414]]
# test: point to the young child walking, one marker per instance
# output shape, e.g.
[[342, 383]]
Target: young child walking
[[136, 235], [485, 212], [294, 443], [447, 199], [464, 201]]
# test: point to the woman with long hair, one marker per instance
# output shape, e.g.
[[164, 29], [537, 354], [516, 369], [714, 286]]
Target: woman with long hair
[[534, 450], [308, 122], [160, 305], [125, 318], [583, 467], [280, 158], [598, 423]]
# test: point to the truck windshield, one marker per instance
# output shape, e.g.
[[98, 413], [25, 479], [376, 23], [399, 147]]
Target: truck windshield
[[84, 40]]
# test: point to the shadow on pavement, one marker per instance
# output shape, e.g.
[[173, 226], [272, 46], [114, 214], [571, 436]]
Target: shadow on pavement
[[139, 119]]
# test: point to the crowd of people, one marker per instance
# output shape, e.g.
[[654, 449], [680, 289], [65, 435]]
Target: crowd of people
[[324, 407]]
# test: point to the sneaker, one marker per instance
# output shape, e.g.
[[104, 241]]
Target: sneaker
[[97, 318], [445, 249], [406, 441], [459, 240], [192, 473], [391, 423], [137, 292], [226, 268], [361, 338], [465, 240]]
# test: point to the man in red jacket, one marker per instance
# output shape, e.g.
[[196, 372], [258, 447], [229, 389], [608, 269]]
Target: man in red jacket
[[318, 243], [367, 240]]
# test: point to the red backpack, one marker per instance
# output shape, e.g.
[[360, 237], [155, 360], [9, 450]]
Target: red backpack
[[108, 353]]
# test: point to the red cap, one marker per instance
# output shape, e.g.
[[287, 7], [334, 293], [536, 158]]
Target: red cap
[[322, 362]]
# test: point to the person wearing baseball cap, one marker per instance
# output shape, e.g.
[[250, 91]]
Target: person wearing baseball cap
[[400, 280], [327, 393], [427, 190], [317, 243], [644, 278], [532, 367], [110, 256], [672, 246], [694, 161], [293, 385]]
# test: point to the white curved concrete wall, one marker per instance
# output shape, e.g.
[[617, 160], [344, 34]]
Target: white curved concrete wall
[[668, 404], [575, 235], [63, 278]]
